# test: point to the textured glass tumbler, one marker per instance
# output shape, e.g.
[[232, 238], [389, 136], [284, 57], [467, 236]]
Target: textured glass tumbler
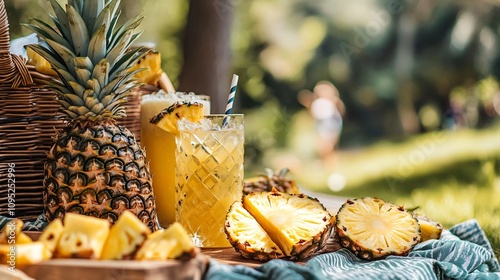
[[209, 176]]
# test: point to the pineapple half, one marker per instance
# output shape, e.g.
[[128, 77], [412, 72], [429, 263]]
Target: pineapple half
[[171, 243], [298, 224], [266, 182], [372, 228], [248, 237], [82, 237], [168, 118], [95, 167], [125, 238]]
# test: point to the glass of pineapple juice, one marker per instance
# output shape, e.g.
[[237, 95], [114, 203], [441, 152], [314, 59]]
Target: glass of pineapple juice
[[160, 149], [209, 172]]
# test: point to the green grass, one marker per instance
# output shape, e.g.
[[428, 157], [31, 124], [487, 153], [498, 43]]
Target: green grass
[[453, 176]]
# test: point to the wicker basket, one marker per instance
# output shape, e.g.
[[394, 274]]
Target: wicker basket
[[28, 120]]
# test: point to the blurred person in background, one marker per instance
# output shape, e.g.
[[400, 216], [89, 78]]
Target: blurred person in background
[[327, 109]]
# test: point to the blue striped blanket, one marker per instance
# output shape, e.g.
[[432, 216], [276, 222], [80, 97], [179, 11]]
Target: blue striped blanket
[[462, 252]]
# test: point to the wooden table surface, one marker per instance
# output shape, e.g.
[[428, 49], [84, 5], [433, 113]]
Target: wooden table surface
[[60, 269]]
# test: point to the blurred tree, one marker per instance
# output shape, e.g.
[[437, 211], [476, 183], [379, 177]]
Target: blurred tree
[[207, 53]]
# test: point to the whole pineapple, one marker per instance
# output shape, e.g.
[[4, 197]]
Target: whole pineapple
[[95, 167]]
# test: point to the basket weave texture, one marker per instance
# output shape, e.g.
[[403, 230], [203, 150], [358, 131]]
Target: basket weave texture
[[29, 118]]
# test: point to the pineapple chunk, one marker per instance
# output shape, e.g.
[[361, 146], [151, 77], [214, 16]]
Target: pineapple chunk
[[125, 238], [51, 234], [23, 239], [12, 233], [372, 228], [24, 254], [167, 119], [248, 237], [82, 237], [297, 223], [170, 243]]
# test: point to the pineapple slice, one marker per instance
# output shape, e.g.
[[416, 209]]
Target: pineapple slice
[[170, 243], [372, 228], [429, 229], [248, 237], [24, 254], [82, 237], [298, 224], [167, 119], [125, 238], [266, 182], [151, 65], [40, 63]]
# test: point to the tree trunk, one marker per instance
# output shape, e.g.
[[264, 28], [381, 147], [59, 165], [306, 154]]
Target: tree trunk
[[206, 68]]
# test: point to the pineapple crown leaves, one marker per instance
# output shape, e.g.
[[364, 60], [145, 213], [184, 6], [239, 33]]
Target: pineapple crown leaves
[[89, 52]]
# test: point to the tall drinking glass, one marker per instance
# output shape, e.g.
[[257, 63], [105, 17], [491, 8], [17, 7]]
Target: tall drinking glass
[[160, 149], [209, 171]]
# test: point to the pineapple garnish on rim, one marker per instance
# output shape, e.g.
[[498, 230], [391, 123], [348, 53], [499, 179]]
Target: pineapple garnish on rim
[[372, 228], [168, 118], [95, 167], [300, 225]]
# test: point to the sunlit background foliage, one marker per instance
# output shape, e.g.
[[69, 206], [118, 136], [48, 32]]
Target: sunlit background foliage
[[418, 79]]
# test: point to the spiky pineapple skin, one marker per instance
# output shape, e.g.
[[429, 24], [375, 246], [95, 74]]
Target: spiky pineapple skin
[[98, 170], [266, 182]]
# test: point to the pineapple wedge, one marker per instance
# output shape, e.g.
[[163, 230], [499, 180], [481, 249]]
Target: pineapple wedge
[[125, 238], [24, 254], [170, 243], [300, 225], [372, 228], [248, 237], [151, 65], [82, 237], [429, 229], [167, 119], [51, 234]]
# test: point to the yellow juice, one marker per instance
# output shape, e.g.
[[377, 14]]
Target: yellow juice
[[209, 179], [160, 152]]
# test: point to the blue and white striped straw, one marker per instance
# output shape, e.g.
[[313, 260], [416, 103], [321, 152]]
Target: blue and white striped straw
[[232, 93], [230, 99]]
